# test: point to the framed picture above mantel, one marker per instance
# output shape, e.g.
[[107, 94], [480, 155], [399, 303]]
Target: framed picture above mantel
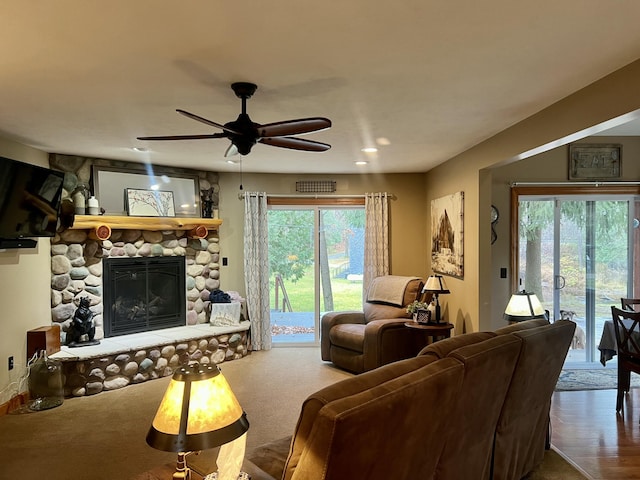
[[595, 162], [111, 185]]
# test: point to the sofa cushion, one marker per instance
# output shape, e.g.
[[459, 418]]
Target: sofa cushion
[[442, 348], [488, 367], [522, 429], [383, 421], [344, 388], [527, 324], [348, 335]]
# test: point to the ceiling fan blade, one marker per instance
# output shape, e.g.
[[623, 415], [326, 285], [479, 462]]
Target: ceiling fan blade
[[231, 151], [184, 137], [205, 121], [294, 127], [296, 144]]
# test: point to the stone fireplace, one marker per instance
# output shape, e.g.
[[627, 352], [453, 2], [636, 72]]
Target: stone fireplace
[[86, 257], [78, 269]]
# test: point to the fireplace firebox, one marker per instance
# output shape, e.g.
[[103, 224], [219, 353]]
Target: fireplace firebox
[[143, 294]]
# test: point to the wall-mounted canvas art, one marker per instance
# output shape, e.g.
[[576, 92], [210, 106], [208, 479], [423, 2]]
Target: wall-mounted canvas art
[[149, 203], [447, 241]]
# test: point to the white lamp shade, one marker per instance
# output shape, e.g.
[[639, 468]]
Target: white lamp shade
[[435, 284], [524, 306]]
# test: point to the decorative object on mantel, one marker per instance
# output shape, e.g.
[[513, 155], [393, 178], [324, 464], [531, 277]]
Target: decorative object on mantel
[[150, 203], [80, 195], [595, 161], [206, 198], [82, 329], [94, 206]]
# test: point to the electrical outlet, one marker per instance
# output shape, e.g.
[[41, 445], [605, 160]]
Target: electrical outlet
[[11, 363]]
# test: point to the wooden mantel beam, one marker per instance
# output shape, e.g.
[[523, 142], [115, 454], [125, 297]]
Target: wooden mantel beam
[[82, 222]]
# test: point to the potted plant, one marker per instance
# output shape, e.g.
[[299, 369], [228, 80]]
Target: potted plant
[[419, 311]]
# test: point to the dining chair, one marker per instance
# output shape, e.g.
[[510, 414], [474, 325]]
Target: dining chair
[[627, 328], [632, 304]]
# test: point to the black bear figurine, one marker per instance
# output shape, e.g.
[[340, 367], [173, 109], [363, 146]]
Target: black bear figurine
[[82, 324]]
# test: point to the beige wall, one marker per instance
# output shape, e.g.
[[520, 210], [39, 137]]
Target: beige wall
[[408, 218], [21, 271], [550, 166], [471, 303]]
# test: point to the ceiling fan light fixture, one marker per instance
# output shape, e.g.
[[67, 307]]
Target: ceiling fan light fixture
[[244, 133]]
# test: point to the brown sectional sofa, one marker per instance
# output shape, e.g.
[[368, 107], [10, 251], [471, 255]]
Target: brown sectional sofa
[[475, 406]]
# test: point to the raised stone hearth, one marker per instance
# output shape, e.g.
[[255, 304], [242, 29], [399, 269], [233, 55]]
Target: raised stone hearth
[[130, 359]]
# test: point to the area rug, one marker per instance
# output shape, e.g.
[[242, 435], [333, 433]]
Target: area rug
[[600, 379]]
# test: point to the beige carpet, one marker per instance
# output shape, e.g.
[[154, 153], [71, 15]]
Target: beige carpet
[[103, 436]]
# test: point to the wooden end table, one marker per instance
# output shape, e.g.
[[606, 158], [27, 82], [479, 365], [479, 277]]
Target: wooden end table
[[436, 331]]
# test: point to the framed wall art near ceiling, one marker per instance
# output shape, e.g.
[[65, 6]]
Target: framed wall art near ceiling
[[595, 161], [149, 203], [447, 240]]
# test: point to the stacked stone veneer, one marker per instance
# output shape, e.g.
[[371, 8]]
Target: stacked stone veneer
[[110, 372], [76, 269], [76, 272]]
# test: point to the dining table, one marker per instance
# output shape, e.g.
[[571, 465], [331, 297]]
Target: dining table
[[608, 346]]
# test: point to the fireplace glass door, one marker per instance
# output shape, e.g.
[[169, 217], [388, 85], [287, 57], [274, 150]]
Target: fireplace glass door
[[143, 294]]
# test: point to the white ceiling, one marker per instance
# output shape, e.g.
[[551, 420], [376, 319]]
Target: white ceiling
[[433, 77]]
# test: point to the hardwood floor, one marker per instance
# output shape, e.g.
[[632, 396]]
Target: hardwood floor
[[587, 430]]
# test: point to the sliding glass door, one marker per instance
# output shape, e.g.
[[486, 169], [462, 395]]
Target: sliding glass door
[[316, 258], [576, 253]]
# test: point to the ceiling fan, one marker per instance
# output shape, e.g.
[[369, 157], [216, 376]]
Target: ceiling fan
[[245, 133]]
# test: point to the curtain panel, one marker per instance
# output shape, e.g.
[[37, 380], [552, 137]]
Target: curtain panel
[[256, 269], [376, 237]]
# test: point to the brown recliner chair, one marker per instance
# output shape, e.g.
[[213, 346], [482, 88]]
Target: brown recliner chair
[[361, 341]]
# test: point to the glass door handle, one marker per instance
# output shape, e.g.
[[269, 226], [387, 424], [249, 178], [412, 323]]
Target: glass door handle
[[559, 282]]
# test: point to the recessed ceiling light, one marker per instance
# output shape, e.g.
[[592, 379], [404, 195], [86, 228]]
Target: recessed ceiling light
[[139, 149], [361, 162], [383, 141], [369, 150]]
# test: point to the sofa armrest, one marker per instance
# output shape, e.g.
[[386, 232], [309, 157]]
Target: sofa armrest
[[386, 341], [335, 318]]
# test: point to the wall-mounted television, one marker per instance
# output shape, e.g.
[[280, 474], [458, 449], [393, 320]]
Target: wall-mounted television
[[29, 201]]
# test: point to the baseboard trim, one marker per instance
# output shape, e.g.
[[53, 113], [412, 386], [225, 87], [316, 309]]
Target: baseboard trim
[[14, 403]]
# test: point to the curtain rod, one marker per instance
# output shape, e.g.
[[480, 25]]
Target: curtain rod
[[242, 195], [592, 184]]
